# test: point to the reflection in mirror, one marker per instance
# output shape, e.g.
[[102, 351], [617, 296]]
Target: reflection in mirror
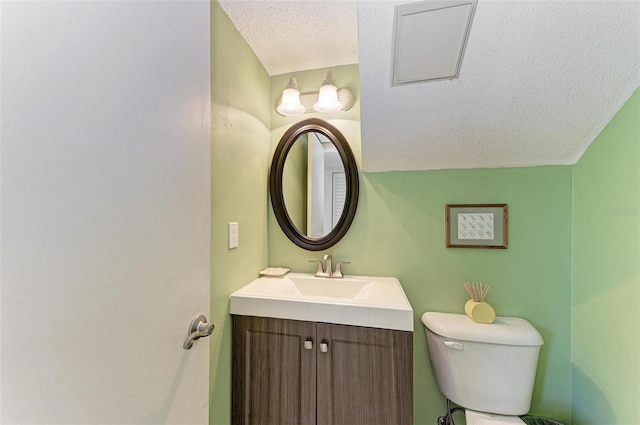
[[294, 182], [314, 184], [326, 186]]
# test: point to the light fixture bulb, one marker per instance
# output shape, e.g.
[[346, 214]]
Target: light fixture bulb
[[328, 96], [290, 104]]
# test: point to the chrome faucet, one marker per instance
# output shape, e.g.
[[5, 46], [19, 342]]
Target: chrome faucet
[[327, 270], [327, 264], [323, 271]]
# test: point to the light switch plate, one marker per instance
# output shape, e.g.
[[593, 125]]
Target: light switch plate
[[233, 235]]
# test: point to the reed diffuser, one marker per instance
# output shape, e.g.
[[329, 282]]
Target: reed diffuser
[[476, 308]]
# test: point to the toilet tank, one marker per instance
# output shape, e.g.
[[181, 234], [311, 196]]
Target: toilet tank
[[486, 367]]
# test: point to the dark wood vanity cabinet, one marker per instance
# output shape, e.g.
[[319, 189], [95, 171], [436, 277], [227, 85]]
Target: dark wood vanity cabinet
[[295, 372]]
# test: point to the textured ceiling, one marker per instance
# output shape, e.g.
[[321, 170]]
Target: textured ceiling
[[289, 36], [539, 80]]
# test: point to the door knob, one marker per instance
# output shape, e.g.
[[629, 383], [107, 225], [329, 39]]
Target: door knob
[[199, 328]]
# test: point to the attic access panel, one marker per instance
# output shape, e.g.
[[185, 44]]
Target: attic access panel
[[429, 39]]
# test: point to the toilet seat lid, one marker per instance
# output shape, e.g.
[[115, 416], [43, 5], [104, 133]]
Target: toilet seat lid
[[481, 418]]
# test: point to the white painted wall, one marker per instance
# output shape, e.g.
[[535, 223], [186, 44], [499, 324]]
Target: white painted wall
[[315, 187], [105, 211]]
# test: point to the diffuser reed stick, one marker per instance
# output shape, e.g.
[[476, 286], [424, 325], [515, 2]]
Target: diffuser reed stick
[[477, 290]]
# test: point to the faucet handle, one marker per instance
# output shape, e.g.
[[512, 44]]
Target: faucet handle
[[338, 272], [319, 271]]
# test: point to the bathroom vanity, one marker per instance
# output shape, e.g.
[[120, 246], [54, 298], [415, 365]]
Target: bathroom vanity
[[295, 372], [309, 350]]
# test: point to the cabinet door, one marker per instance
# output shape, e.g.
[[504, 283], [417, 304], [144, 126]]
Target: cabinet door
[[364, 376], [274, 375]]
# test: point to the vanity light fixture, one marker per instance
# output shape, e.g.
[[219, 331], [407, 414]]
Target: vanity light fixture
[[329, 98], [290, 104]]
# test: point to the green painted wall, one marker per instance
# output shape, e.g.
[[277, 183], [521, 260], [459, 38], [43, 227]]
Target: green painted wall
[[606, 275], [239, 169], [294, 183], [399, 231]]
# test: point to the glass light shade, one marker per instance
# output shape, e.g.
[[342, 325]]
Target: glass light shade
[[290, 104], [328, 99]]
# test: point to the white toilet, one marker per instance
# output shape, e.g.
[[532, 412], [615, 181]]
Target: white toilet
[[488, 369]]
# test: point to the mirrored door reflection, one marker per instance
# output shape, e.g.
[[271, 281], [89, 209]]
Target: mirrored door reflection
[[326, 186], [314, 185]]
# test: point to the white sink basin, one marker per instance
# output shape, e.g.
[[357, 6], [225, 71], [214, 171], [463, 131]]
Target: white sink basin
[[377, 302], [334, 288]]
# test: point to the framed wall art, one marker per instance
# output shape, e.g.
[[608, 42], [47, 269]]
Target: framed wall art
[[476, 225]]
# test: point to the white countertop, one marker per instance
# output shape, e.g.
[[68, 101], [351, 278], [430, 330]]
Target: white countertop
[[377, 302]]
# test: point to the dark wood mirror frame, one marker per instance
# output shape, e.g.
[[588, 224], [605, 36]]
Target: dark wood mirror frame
[[351, 177]]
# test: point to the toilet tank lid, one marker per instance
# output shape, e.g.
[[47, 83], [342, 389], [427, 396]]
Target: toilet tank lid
[[504, 330]]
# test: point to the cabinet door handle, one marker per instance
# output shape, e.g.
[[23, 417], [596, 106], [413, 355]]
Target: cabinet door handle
[[324, 347], [308, 344]]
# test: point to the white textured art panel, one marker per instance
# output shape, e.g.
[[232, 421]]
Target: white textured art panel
[[475, 226]]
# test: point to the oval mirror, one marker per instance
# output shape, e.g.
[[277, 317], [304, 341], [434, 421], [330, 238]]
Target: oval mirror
[[314, 184]]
